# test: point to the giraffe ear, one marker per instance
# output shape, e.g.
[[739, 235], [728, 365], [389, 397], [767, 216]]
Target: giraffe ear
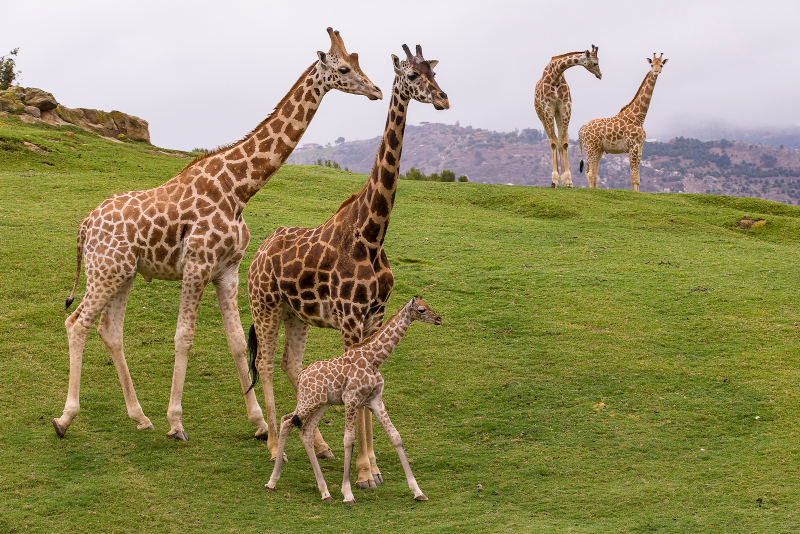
[[587, 53], [433, 62], [323, 57], [664, 62], [650, 61], [396, 63]]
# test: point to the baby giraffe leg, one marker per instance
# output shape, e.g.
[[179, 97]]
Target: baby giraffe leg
[[379, 410], [307, 436], [349, 438], [286, 428]]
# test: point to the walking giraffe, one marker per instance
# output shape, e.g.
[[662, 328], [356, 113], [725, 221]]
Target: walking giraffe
[[351, 379], [623, 132], [191, 229], [553, 104], [336, 275]]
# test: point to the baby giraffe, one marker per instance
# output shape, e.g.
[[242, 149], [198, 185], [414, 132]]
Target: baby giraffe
[[351, 379]]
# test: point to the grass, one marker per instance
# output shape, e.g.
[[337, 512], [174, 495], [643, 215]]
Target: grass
[[609, 361]]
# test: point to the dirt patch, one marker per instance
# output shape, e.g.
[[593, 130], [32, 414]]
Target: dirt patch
[[747, 223], [36, 148]]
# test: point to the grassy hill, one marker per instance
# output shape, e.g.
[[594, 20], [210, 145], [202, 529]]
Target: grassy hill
[[609, 361]]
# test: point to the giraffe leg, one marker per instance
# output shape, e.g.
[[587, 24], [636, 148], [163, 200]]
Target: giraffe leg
[[375, 324], [195, 280], [377, 407], [110, 330], [592, 165], [547, 118], [227, 287], [78, 325], [286, 428], [296, 332], [562, 121], [363, 465], [267, 322], [349, 438], [307, 435], [635, 154]]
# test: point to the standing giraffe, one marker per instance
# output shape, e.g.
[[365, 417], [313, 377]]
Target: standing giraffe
[[553, 103], [336, 275], [191, 229], [623, 132], [351, 379]]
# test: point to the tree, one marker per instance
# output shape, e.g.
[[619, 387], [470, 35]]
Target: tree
[[8, 72], [448, 176], [339, 140], [463, 178]]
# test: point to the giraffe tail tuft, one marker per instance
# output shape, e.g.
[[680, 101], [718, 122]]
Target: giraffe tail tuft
[[581, 166], [252, 348], [580, 144], [296, 421], [81, 240]]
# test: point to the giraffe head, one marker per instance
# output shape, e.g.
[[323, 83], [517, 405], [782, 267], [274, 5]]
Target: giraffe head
[[590, 62], [414, 77], [420, 311], [340, 70], [657, 63]]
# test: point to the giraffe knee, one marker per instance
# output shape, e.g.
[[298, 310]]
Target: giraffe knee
[[396, 440], [184, 338]]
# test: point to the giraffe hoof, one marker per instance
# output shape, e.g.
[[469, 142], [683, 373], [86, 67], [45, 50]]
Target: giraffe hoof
[[145, 426], [261, 435], [366, 484], [420, 497], [377, 478], [349, 502], [60, 430], [553, 185], [326, 455], [328, 499], [179, 435], [268, 488]]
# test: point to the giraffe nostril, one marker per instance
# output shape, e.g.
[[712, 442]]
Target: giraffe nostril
[[442, 95]]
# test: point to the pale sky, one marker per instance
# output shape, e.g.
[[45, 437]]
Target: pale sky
[[205, 73]]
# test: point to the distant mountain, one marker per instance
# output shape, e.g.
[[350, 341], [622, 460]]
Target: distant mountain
[[524, 158]]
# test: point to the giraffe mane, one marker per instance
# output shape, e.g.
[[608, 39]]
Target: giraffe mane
[[629, 104], [278, 106], [377, 333], [565, 55]]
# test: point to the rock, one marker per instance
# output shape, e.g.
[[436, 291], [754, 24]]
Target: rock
[[39, 98], [33, 111], [11, 100]]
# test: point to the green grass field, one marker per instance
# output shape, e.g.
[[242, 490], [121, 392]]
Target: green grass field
[[609, 362]]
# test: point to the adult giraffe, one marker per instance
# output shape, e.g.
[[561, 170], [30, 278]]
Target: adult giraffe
[[624, 132], [553, 104], [336, 275], [191, 229]]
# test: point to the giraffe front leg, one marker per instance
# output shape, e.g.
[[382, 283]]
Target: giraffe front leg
[[192, 289], [635, 160], [307, 435], [263, 338], [592, 165], [363, 466], [349, 439], [286, 428], [566, 175], [555, 178], [377, 408], [227, 287]]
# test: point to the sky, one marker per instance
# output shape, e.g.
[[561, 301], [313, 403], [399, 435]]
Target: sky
[[204, 74]]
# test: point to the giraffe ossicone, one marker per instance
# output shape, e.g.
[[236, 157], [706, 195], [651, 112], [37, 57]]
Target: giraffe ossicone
[[352, 379], [624, 132], [191, 229], [553, 105], [336, 275]]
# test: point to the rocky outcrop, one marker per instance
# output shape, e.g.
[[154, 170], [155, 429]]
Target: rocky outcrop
[[37, 104]]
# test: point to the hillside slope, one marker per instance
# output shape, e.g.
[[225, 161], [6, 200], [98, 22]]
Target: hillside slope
[[524, 158], [609, 361]]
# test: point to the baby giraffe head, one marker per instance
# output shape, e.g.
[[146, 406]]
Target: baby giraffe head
[[340, 70], [414, 78], [420, 311], [657, 63], [590, 62]]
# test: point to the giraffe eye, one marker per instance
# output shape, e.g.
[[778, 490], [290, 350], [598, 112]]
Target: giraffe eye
[[413, 76], [344, 70], [421, 310]]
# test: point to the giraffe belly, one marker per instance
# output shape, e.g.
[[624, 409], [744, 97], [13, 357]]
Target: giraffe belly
[[617, 146], [158, 270]]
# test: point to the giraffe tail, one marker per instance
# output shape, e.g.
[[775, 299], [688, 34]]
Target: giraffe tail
[[580, 144], [81, 241], [252, 348]]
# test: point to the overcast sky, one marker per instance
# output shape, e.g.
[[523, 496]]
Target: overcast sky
[[205, 73]]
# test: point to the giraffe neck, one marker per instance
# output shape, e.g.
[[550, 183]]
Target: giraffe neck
[[373, 204], [554, 71], [247, 165], [636, 110], [385, 340]]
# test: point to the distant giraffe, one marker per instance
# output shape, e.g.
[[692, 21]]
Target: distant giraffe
[[336, 275], [553, 104], [191, 229], [623, 132], [351, 379]]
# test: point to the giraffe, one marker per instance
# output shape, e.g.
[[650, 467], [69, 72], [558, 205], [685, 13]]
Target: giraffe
[[191, 229], [336, 275], [623, 132], [553, 104], [351, 379]]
